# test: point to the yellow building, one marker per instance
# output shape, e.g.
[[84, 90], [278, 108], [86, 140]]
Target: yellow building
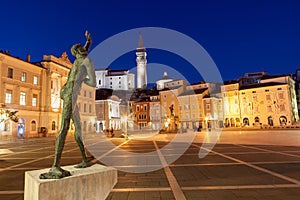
[[169, 100], [270, 102], [213, 111], [33, 89], [155, 119], [231, 102], [191, 108], [22, 90]]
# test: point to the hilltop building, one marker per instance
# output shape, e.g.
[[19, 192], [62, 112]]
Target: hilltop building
[[114, 79]]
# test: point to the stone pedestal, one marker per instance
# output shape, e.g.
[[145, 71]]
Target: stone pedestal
[[92, 183]]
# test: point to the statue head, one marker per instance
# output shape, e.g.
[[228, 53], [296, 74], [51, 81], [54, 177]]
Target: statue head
[[77, 50]]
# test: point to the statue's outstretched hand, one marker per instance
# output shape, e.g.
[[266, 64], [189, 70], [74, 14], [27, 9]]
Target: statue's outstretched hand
[[87, 35]]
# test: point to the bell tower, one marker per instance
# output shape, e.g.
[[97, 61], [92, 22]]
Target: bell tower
[[141, 64]]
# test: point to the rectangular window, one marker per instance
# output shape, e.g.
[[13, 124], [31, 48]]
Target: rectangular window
[[34, 100], [90, 108], [244, 100], [23, 98], [280, 95], [84, 107], [90, 94], [84, 93], [268, 97], [35, 80], [23, 78], [254, 98], [8, 96], [208, 106], [145, 107], [10, 73], [281, 107], [269, 108], [138, 108]]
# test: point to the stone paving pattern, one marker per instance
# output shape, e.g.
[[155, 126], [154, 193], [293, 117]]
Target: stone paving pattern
[[229, 171]]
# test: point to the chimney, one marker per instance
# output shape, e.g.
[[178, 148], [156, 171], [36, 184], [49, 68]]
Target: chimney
[[28, 57]]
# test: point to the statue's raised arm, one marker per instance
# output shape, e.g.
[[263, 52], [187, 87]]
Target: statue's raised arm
[[88, 41]]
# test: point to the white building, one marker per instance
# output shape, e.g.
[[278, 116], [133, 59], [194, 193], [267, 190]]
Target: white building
[[107, 110], [160, 83], [114, 79]]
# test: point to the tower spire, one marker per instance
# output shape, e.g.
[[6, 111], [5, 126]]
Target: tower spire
[[141, 42], [141, 64]]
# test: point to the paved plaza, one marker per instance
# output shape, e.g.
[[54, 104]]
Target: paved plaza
[[238, 166]]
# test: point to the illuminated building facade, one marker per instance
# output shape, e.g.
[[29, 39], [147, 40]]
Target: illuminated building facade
[[22, 89], [191, 108], [160, 83], [107, 110], [142, 113], [169, 98], [114, 79], [33, 89], [271, 101], [155, 118]]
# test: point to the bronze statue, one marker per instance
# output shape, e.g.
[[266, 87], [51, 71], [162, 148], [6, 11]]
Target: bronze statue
[[82, 71]]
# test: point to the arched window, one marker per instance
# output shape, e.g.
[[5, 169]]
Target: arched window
[[256, 119], [226, 122], [270, 121], [282, 120], [232, 122], [246, 121], [33, 126], [237, 122], [53, 126]]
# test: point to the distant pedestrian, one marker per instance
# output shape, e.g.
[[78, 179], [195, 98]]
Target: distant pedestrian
[[112, 132]]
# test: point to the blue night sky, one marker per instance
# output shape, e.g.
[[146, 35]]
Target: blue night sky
[[240, 36]]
